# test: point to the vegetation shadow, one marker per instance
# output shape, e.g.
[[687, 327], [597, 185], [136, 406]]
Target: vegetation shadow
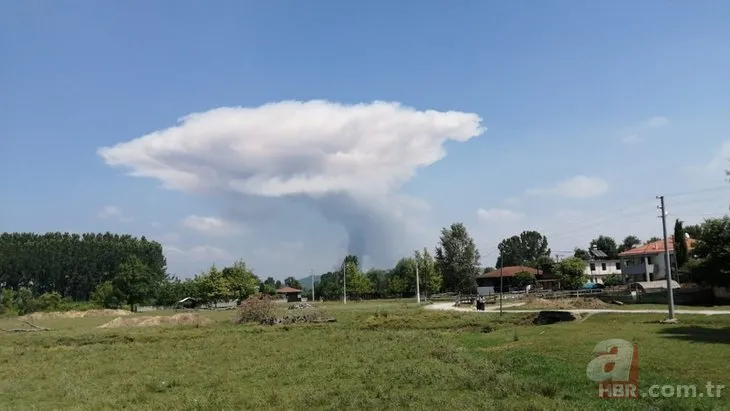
[[699, 334]]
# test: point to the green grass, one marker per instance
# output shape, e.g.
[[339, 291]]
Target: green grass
[[378, 355]]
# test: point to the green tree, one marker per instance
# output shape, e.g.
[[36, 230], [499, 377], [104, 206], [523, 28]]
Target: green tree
[[24, 301], [106, 296], [352, 259], [607, 245], [240, 281], [429, 276], [292, 282], [681, 251], [629, 242], [570, 273], [358, 284], [582, 254], [653, 239], [214, 286], [379, 280], [268, 286], [523, 279], [169, 292], [7, 296], [72, 265], [522, 249], [134, 281], [712, 250], [457, 259], [543, 263]]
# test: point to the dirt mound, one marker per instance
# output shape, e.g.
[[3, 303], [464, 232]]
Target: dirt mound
[[75, 314], [151, 321], [566, 304]]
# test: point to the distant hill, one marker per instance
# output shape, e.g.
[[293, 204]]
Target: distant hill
[[306, 282]]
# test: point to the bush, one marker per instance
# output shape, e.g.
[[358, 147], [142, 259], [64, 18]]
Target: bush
[[257, 309], [7, 296], [24, 301], [49, 302], [612, 280], [107, 296]]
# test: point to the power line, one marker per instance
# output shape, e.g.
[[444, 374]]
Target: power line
[[703, 190]]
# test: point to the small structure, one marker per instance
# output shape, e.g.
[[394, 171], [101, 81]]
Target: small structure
[[489, 282], [652, 286], [187, 302], [292, 295]]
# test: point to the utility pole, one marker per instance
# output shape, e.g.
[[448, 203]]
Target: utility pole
[[418, 283], [501, 282], [311, 273], [344, 281], [667, 263]]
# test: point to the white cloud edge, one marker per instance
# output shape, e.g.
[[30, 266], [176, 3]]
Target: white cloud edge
[[209, 225]]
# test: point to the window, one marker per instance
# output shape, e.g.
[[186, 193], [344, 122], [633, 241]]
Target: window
[[648, 259], [618, 265], [593, 266], [603, 266]]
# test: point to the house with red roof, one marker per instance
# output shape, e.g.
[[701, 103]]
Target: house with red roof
[[647, 262]]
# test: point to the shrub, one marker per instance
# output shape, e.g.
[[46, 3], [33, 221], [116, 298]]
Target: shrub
[[107, 296], [257, 309], [49, 301]]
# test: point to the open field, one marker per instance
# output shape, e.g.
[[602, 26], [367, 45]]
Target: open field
[[378, 355]]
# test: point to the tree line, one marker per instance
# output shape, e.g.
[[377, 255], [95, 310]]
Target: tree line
[[43, 271]]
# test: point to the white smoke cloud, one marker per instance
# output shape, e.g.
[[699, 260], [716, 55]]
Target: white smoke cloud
[[347, 160]]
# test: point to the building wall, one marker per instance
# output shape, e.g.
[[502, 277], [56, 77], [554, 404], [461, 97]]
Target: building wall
[[597, 270], [646, 267], [486, 290]]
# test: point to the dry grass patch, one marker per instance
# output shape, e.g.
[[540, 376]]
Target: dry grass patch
[[157, 320], [74, 314], [564, 304]]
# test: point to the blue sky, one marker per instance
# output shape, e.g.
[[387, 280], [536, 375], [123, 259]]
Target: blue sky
[[591, 109]]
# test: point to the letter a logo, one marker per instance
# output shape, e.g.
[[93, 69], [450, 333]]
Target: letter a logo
[[616, 360]]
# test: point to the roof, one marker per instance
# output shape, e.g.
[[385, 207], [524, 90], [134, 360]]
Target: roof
[[655, 247], [287, 290], [596, 253], [655, 285], [510, 271]]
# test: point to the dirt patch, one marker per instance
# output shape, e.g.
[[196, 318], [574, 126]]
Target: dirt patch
[[157, 320], [75, 314], [565, 304]]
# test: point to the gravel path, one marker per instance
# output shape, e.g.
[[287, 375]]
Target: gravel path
[[450, 307]]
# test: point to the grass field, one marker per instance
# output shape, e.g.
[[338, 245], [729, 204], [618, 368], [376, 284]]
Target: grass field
[[378, 355]]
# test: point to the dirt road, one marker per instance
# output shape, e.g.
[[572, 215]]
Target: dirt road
[[450, 307]]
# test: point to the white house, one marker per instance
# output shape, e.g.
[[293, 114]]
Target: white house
[[600, 266], [597, 270], [647, 262]]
